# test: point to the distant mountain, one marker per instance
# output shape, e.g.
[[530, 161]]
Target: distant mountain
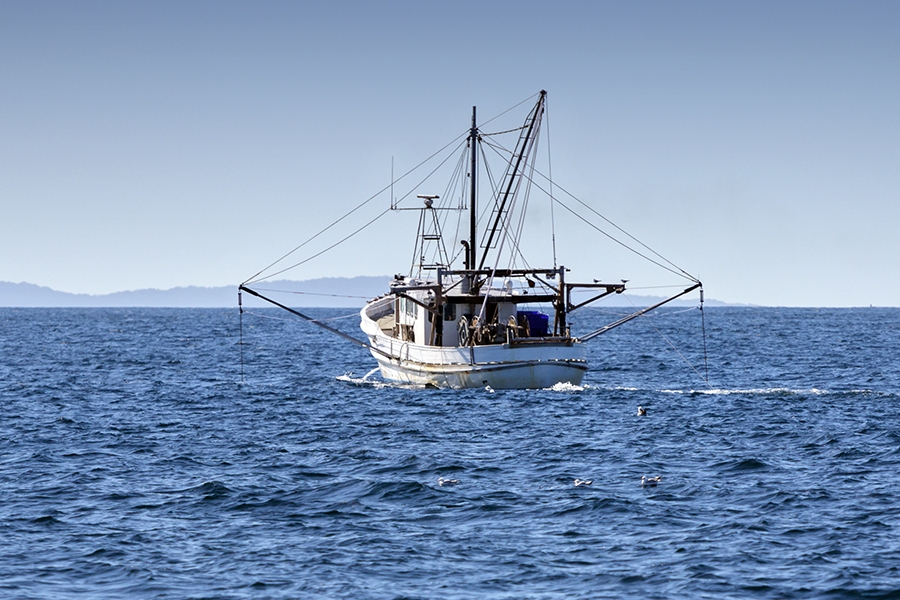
[[326, 292]]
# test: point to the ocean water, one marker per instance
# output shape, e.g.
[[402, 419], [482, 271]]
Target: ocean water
[[135, 463]]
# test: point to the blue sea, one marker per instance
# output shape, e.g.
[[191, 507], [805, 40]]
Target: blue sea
[[140, 457]]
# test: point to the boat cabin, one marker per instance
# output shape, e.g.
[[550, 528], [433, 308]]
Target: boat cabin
[[441, 313]]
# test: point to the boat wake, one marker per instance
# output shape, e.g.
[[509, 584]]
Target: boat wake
[[365, 381], [751, 392], [565, 386], [772, 391]]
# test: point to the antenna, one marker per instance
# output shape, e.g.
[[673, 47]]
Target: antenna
[[428, 199]]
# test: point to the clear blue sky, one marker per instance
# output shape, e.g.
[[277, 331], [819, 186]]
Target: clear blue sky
[[160, 144]]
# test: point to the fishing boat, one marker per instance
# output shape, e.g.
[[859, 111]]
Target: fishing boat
[[482, 316]]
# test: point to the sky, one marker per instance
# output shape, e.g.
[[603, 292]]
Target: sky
[[162, 144]]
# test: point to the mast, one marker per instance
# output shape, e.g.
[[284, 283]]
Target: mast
[[516, 169], [473, 245]]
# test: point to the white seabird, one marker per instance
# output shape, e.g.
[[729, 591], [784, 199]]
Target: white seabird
[[579, 482], [642, 412], [442, 482], [650, 480]]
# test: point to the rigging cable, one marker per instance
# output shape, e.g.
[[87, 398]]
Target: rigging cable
[[680, 272], [291, 320], [502, 243], [461, 174], [531, 97], [310, 293], [505, 223], [447, 203], [581, 202], [507, 131], [550, 174], [318, 322], [317, 254], [526, 195], [518, 251], [241, 339], [668, 341], [703, 324], [253, 279]]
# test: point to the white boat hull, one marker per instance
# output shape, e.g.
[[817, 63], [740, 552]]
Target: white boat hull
[[532, 365], [509, 375]]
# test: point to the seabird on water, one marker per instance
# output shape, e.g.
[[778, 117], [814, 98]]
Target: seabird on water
[[642, 412], [579, 482], [650, 480], [442, 482]]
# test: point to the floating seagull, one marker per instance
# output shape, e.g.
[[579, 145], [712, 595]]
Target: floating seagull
[[579, 482], [650, 480], [642, 412], [442, 482]]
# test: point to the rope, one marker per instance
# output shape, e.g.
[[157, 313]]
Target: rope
[[262, 316], [531, 97], [270, 317], [703, 324], [241, 340], [524, 147], [665, 313], [677, 312], [653, 287], [311, 293], [526, 195], [321, 324], [677, 351], [678, 270], [256, 278], [334, 245], [681, 271], [502, 132], [495, 188], [550, 173]]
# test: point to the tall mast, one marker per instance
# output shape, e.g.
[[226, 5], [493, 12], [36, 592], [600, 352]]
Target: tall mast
[[473, 246], [516, 168]]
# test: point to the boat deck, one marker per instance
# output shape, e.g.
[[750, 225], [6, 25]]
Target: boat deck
[[386, 324]]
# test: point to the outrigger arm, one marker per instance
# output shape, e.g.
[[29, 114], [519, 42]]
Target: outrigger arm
[[639, 313], [242, 288]]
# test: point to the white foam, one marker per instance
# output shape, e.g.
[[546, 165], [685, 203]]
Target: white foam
[[761, 391], [348, 378], [376, 383], [565, 386], [727, 392]]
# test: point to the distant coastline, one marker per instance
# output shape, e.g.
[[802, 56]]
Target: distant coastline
[[339, 292], [325, 292]]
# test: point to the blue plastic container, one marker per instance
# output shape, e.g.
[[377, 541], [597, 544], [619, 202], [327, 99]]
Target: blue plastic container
[[538, 322]]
